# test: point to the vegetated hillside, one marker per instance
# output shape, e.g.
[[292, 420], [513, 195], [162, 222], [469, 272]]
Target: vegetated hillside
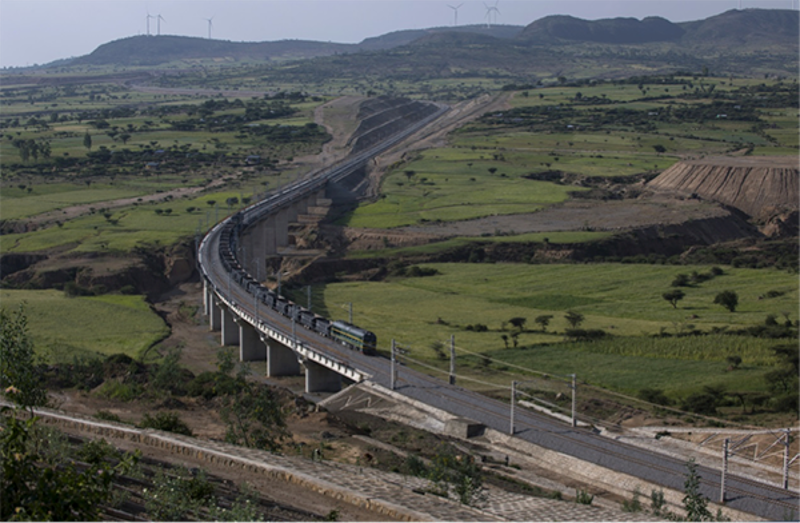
[[155, 50], [398, 38], [746, 28], [553, 29], [757, 186], [605, 48], [751, 41]]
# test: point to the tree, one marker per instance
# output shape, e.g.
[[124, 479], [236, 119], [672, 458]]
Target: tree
[[728, 299], [87, 140], [674, 297], [41, 487], [574, 318], [544, 321], [681, 280], [518, 322], [695, 504], [505, 339], [19, 366], [409, 174], [659, 148]]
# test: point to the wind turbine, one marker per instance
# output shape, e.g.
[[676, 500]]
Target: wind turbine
[[491, 10], [159, 18], [149, 16], [210, 25], [455, 12]]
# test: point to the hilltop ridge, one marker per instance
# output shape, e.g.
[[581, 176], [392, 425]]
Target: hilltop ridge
[[729, 41]]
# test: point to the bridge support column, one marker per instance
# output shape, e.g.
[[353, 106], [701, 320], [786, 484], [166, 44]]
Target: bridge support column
[[321, 379], [281, 360], [214, 314], [230, 331], [281, 224], [250, 346]]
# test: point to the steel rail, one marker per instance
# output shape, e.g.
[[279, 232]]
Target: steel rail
[[771, 502]]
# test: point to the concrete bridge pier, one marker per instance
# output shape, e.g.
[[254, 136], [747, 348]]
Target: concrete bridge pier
[[281, 360], [214, 314], [281, 228], [230, 331], [321, 379], [207, 297], [250, 346]]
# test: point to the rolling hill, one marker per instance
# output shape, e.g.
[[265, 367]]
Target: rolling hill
[[750, 41]]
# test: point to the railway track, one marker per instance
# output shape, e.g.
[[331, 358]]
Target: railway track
[[743, 494]]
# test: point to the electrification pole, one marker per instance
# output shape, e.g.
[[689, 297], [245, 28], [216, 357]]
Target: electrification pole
[[724, 470], [350, 320], [786, 458], [452, 359], [513, 402], [574, 389], [393, 373]]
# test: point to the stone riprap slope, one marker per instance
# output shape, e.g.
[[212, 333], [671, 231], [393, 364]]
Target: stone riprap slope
[[758, 186]]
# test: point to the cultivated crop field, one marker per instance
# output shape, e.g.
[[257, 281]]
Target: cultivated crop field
[[603, 130], [645, 340], [64, 328]]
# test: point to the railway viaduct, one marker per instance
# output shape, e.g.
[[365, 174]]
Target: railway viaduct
[[384, 123], [264, 335]]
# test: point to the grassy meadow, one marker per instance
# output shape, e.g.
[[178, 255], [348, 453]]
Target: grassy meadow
[[63, 328], [642, 344], [604, 130]]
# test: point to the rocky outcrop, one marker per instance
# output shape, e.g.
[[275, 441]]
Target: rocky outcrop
[[761, 187]]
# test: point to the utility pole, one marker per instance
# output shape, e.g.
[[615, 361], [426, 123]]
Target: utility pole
[[279, 282], [308, 296], [393, 373], [513, 403], [350, 320], [786, 458], [724, 470], [574, 389], [452, 359]]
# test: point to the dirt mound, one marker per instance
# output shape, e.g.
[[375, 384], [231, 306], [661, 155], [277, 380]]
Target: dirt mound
[[759, 186]]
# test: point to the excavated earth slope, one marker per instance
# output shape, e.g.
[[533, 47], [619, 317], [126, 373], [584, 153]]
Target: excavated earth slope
[[758, 186]]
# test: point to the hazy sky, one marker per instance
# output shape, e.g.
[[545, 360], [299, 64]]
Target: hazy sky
[[40, 31]]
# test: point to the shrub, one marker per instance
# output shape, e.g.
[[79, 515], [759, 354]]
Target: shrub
[[166, 421], [700, 403], [117, 390], [107, 416], [583, 498], [656, 396], [585, 334]]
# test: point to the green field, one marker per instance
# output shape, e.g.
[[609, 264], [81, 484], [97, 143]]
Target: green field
[[453, 185], [63, 328], [623, 300], [607, 130]]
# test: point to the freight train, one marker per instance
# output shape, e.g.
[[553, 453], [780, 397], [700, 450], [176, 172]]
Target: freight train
[[345, 333]]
